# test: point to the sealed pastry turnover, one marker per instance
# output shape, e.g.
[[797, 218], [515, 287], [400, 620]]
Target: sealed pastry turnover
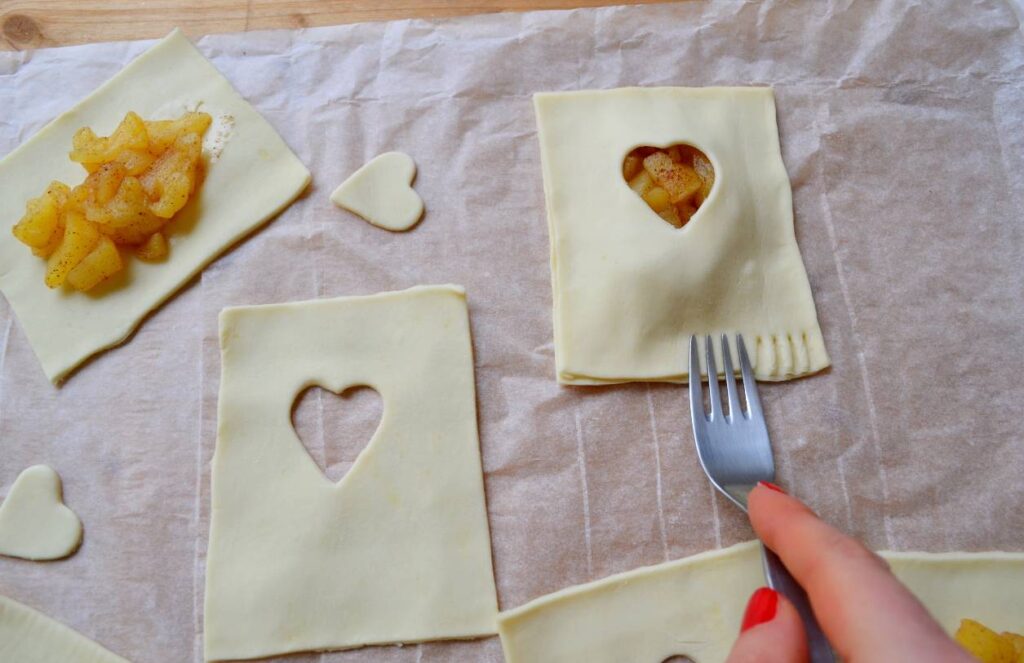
[[629, 288], [693, 606]]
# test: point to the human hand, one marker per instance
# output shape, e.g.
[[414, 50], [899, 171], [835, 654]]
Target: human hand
[[867, 614]]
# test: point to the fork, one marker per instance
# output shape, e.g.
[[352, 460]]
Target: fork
[[736, 454]]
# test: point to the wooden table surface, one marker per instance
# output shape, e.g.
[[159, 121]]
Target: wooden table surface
[[26, 24]]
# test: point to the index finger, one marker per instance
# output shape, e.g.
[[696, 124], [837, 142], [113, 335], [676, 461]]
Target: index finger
[[867, 614]]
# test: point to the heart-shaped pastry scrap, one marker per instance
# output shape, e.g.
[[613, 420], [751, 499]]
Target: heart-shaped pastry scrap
[[34, 521], [381, 192], [674, 181]]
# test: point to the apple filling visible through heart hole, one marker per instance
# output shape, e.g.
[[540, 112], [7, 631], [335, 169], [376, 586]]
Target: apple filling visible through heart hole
[[673, 181]]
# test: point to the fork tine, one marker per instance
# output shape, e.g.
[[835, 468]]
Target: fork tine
[[749, 384], [696, 390], [713, 390], [730, 380]]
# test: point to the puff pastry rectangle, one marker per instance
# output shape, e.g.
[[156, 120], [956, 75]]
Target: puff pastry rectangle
[[629, 289], [254, 177]]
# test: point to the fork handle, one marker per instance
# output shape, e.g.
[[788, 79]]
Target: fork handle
[[781, 581]]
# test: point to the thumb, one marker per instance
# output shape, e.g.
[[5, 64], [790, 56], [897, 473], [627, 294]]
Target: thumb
[[771, 633]]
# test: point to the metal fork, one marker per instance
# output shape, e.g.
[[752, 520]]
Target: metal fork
[[736, 454]]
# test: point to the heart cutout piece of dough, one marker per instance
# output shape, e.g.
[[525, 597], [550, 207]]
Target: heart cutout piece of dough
[[34, 521], [381, 192]]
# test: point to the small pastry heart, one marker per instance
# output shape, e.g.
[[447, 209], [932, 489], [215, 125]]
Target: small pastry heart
[[34, 522], [381, 192]]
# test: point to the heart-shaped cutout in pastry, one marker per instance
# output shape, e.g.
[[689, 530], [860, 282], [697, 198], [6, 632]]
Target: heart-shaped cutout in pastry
[[673, 181], [336, 427], [34, 521], [381, 192]]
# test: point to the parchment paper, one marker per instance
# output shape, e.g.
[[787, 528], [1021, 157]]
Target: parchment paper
[[901, 128]]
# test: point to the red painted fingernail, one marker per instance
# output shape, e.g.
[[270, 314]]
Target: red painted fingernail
[[761, 608], [771, 486]]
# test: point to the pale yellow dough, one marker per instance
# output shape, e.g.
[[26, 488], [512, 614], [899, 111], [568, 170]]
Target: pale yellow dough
[[28, 636], [629, 288], [381, 192], [253, 178], [398, 551], [693, 606], [34, 521]]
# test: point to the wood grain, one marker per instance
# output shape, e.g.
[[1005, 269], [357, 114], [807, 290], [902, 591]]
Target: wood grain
[[26, 24]]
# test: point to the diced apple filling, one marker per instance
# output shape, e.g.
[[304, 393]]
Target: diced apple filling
[[674, 182], [138, 179]]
